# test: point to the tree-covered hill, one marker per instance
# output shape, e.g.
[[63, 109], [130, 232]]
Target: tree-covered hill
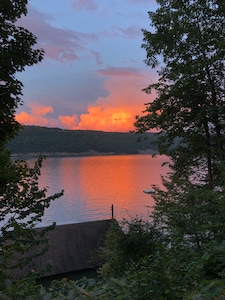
[[42, 140]]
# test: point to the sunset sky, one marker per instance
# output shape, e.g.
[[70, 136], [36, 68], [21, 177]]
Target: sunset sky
[[93, 71]]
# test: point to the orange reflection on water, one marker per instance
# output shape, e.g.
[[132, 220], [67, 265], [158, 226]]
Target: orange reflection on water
[[93, 184], [119, 180], [107, 180]]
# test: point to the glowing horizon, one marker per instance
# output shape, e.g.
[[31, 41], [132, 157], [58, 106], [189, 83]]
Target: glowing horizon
[[91, 76], [116, 112]]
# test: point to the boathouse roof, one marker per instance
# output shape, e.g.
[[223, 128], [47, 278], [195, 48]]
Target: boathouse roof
[[72, 248]]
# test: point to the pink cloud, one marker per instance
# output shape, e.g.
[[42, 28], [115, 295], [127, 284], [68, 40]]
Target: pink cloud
[[114, 71], [97, 57], [88, 5], [130, 32], [62, 45]]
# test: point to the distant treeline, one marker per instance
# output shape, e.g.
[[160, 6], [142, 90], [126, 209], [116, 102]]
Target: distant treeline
[[55, 141]]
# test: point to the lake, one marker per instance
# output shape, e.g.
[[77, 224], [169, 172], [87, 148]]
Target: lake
[[92, 184]]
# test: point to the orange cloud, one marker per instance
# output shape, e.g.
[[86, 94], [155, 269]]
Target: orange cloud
[[107, 119], [69, 122], [38, 115], [117, 111]]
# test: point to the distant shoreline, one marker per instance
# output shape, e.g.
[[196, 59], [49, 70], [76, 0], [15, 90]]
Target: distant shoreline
[[71, 154], [34, 141]]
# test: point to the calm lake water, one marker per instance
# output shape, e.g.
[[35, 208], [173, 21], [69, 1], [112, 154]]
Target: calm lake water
[[93, 184]]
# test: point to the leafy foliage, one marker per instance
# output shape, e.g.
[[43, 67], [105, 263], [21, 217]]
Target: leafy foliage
[[127, 243], [189, 37], [16, 52], [22, 207], [181, 254], [22, 203]]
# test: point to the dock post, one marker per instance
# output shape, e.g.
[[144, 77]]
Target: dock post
[[112, 209]]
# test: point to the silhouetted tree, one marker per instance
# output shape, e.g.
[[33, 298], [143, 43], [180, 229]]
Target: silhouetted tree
[[22, 203], [16, 52], [187, 46]]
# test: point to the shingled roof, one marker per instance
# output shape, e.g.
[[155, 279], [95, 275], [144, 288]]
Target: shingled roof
[[72, 248]]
